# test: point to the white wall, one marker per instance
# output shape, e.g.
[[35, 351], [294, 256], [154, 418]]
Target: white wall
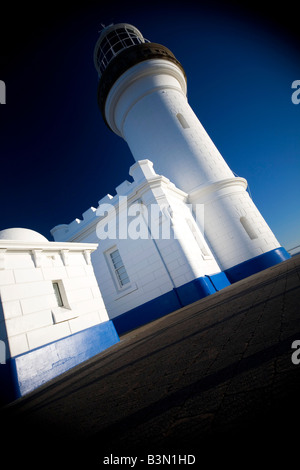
[[224, 204], [143, 105], [147, 105], [30, 316], [154, 265]]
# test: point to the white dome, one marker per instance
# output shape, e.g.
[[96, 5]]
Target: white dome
[[22, 234]]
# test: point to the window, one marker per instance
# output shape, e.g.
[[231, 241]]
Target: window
[[182, 121], [57, 293], [248, 228], [119, 268], [62, 311], [114, 42], [118, 46]]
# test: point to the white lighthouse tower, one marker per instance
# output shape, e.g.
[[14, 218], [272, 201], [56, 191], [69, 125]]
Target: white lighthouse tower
[[148, 273], [142, 96]]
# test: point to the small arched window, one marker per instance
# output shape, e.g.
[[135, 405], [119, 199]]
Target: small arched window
[[182, 121], [248, 228]]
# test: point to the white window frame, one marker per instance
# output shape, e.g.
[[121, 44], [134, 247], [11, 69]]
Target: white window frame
[[64, 312], [113, 270], [62, 292]]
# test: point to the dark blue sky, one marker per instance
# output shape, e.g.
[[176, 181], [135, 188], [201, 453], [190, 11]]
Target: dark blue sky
[[57, 156]]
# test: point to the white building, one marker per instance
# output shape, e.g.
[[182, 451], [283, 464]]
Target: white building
[[142, 96], [183, 228], [52, 314], [164, 259]]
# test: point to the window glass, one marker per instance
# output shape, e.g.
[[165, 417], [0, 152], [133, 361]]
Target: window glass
[[105, 46], [114, 40], [57, 294], [109, 56], [118, 46], [119, 267], [128, 42], [122, 34]]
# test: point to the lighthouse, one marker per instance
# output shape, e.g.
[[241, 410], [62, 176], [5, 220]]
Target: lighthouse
[[172, 257], [142, 95]]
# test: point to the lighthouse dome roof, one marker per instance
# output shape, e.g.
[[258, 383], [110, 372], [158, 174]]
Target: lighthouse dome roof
[[22, 234]]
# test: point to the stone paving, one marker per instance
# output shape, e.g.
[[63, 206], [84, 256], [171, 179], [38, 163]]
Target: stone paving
[[214, 379]]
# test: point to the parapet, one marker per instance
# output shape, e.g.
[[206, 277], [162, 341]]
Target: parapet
[[142, 173]]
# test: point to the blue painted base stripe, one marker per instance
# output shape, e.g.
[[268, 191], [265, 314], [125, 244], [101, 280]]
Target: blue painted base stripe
[[147, 312], [195, 290], [28, 371], [256, 264], [164, 304], [219, 280]]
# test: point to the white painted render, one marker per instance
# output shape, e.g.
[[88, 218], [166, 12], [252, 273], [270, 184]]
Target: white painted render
[[142, 107], [177, 168], [148, 107], [154, 265], [225, 203], [29, 314]]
